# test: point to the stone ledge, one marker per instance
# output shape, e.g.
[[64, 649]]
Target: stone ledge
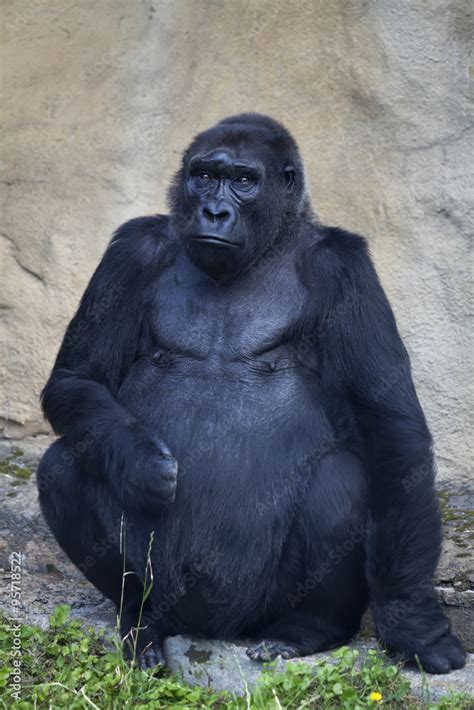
[[226, 666]]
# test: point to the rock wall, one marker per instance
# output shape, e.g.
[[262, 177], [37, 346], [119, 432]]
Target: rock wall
[[100, 99]]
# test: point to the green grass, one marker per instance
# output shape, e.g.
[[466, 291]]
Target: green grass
[[18, 471], [65, 667]]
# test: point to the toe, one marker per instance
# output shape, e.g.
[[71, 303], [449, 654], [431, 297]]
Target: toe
[[142, 664], [269, 650], [262, 652], [434, 663], [455, 652], [458, 660], [151, 658]]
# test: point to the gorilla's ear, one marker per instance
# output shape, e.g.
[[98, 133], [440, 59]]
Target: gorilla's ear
[[289, 174]]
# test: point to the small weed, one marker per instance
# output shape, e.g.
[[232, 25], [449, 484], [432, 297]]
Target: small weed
[[20, 471]]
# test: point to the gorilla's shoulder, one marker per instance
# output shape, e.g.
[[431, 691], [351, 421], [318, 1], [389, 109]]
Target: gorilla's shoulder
[[143, 240], [153, 227], [337, 247], [333, 254], [340, 242]]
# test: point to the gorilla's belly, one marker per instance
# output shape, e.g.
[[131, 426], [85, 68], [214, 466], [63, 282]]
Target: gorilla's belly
[[246, 442], [228, 422]]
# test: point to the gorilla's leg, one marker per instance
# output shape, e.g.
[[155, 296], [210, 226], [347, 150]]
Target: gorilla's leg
[[86, 520], [323, 608]]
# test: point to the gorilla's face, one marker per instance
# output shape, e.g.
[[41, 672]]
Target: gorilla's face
[[232, 198], [222, 191]]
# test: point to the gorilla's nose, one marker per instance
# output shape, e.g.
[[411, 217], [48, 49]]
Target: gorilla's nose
[[217, 215]]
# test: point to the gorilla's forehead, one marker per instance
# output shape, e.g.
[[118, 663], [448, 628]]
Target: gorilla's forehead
[[222, 158], [220, 154], [234, 142]]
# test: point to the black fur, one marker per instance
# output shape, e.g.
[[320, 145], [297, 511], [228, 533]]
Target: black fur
[[247, 405]]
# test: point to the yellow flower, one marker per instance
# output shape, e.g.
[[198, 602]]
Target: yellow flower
[[375, 697]]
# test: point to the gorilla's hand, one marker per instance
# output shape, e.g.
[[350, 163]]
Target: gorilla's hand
[[147, 470], [419, 635], [443, 655]]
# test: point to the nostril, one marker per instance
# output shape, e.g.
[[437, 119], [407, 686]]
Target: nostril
[[223, 216]]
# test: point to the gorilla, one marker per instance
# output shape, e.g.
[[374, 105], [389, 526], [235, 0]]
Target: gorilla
[[242, 453]]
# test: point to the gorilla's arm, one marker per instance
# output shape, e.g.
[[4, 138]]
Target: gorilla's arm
[[365, 352], [98, 349]]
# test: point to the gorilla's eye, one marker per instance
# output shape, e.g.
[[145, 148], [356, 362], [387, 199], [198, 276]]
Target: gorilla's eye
[[203, 180], [243, 181]]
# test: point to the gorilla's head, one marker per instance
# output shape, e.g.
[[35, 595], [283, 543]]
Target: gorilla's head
[[240, 189]]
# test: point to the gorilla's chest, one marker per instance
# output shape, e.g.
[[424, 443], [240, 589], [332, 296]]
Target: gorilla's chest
[[225, 384], [197, 319]]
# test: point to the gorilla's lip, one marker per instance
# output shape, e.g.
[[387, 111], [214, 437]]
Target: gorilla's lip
[[214, 239]]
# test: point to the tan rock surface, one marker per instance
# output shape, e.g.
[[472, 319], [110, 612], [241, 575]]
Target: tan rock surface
[[99, 100]]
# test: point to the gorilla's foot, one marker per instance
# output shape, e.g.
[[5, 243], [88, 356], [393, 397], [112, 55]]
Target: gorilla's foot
[[148, 656], [299, 634], [152, 657], [442, 656], [142, 644], [269, 649]]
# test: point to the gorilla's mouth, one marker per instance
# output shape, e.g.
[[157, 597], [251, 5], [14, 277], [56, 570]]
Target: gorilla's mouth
[[214, 239]]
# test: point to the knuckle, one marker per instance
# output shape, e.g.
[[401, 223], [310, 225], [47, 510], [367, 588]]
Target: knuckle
[[169, 471]]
